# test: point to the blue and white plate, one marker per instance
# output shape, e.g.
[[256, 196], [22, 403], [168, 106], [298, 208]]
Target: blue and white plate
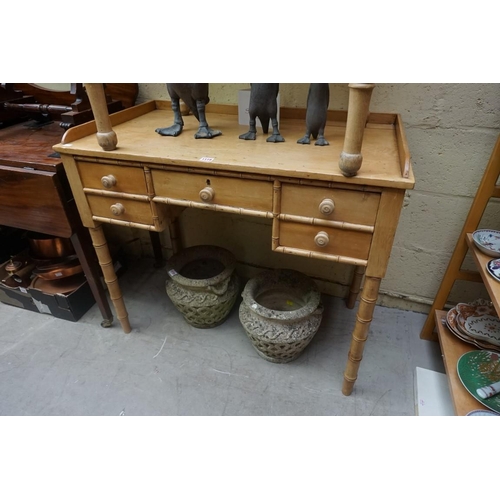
[[493, 267], [488, 241]]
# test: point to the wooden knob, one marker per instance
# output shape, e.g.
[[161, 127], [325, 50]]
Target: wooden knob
[[326, 207], [207, 194], [117, 209], [322, 239], [108, 181]]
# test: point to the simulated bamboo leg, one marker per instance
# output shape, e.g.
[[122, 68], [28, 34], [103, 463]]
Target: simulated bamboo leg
[[360, 333], [357, 114], [106, 137], [359, 272], [106, 263]]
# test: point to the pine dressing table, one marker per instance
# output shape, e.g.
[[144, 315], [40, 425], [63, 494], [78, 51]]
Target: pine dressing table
[[122, 172]]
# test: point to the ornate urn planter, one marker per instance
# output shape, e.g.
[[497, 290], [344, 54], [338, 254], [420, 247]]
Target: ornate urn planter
[[202, 284], [281, 312]]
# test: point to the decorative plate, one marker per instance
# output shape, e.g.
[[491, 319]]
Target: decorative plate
[[451, 319], [460, 323], [451, 323], [477, 369], [484, 328], [482, 413], [493, 267], [488, 241], [479, 307]]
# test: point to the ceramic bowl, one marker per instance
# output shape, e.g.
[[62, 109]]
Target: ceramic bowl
[[488, 241]]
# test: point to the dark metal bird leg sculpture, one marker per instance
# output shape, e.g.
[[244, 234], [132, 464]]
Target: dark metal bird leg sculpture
[[276, 136], [316, 114], [204, 131], [195, 96], [252, 131], [263, 105], [175, 129]]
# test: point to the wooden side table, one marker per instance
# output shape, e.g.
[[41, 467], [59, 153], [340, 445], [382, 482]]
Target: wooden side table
[[35, 196], [131, 176]]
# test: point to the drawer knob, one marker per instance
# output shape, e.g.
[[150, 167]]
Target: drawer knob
[[117, 209], [207, 194], [322, 239], [108, 181], [326, 207]]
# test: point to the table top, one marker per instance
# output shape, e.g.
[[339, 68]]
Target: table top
[[138, 142], [26, 144]]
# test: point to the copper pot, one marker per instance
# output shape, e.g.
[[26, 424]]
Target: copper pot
[[58, 270], [63, 285], [43, 246]]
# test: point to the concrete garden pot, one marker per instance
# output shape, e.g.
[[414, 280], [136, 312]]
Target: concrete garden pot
[[281, 312], [202, 284]]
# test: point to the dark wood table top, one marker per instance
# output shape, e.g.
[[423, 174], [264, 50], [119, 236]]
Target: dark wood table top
[[27, 145]]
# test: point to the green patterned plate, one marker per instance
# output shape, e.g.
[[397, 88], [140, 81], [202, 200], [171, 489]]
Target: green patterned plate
[[477, 369]]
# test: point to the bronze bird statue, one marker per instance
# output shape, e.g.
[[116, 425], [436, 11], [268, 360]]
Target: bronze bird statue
[[195, 96], [317, 108], [263, 105]]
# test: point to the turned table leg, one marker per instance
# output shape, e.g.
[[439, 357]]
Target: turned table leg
[[357, 114], [175, 240], [106, 136], [360, 333], [106, 263], [156, 244], [83, 248], [359, 272]]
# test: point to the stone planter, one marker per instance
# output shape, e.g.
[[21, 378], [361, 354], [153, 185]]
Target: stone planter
[[281, 312], [202, 284]]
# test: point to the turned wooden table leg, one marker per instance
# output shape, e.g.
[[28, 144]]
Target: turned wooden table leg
[[157, 251], [359, 272], [83, 248], [360, 333], [106, 263], [357, 114], [106, 137], [175, 239]]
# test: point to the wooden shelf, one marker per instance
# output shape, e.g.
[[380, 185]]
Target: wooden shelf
[[452, 348], [481, 259]]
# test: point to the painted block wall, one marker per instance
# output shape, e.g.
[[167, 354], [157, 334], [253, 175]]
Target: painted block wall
[[451, 130]]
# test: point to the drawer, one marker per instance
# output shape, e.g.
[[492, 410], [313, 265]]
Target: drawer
[[343, 205], [121, 209], [112, 178], [241, 193], [342, 242]]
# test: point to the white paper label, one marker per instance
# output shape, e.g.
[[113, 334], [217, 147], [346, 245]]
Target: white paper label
[[206, 159], [42, 307]]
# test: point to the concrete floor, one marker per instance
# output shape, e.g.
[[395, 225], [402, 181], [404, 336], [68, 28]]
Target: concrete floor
[[50, 366]]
